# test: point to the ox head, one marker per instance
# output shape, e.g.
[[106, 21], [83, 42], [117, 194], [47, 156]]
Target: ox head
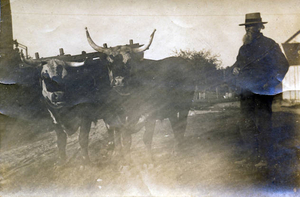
[[119, 58], [53, 78]]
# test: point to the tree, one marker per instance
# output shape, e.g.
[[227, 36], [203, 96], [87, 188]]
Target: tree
[[208, 67]]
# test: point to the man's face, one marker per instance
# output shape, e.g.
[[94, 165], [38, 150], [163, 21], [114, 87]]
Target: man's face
[[251, 32], [253, 29]]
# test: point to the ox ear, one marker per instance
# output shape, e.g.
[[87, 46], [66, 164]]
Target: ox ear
[[31, 62], [146, 46]]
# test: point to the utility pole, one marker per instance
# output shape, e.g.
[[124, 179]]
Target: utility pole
[[6, 31]]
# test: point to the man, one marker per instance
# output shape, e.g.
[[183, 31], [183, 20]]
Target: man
[[259, 69]]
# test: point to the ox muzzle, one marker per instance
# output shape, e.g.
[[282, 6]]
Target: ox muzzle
[[56, 99], [120, 86]]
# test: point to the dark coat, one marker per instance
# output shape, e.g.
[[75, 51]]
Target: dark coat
[[262, 66]]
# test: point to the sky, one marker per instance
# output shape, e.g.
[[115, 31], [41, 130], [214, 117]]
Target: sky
[[46, 26]]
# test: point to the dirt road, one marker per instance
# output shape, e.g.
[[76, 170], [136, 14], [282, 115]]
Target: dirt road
[[205, 167]]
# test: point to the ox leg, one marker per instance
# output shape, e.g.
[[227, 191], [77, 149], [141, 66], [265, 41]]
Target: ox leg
[[120, 156], [111, 136], [126, 144], [118, 141], [126, 139], [179, 124], [148, 137], [149, 131], [133, 126], [84, 140], [61, 144]]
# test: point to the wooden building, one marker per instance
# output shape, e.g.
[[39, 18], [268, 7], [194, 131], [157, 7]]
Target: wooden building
[[291, 82]]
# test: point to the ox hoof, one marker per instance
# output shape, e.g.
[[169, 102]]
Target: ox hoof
[[123, 163], [86, 165], [117, 156], [178, 149], [61, 162], [108, 155], [85, 161], [110, 146]]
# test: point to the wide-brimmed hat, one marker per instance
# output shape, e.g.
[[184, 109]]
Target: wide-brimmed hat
[[253, 18]]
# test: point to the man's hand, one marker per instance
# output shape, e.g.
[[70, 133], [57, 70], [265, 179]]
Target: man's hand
[[236, 71], [265, 86]]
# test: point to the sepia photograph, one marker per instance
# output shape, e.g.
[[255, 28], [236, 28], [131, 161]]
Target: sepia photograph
[[150, 98]]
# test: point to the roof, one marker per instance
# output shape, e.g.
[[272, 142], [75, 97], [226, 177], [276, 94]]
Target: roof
[[292, 50]]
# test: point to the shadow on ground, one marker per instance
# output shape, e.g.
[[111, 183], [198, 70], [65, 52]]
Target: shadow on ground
[[206, 166]]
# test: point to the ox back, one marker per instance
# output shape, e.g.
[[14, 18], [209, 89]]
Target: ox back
[[161, 89], [163, 86]]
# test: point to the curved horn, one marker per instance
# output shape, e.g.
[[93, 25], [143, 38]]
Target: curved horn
[[146, 46], [94, 46], [75, 64], [30, 61]]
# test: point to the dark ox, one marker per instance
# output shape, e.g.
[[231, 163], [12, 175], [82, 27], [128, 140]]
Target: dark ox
[[74, 93], [157, 89]]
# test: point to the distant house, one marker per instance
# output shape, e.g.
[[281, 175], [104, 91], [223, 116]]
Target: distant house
[[291, 82], [219, 92]]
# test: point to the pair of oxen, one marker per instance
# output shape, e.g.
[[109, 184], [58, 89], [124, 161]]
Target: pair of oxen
[[119, 87]]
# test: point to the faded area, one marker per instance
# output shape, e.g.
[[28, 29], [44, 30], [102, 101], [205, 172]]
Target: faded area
[[206, 166], [181, 24]]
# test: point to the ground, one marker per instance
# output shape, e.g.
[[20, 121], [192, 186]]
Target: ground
[[206, 166]]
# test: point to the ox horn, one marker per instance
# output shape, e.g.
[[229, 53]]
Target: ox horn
[[30, 61], [146, 46], [94, 46], [75, 64]]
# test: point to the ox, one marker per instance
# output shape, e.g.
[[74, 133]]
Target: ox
[[72, 94], [157, 88]]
